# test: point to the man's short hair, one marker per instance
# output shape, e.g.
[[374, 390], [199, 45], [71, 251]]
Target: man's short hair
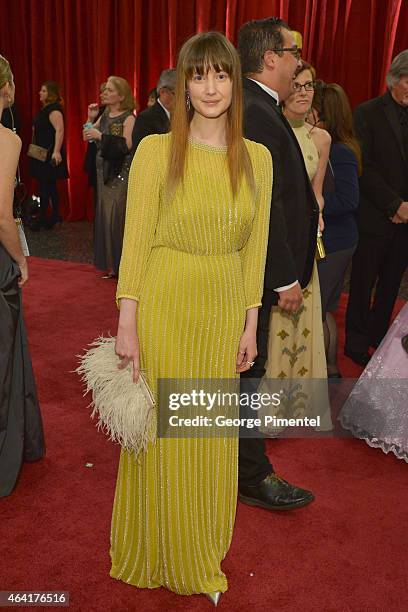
[[398, 68], [167, 79], [255, 38]]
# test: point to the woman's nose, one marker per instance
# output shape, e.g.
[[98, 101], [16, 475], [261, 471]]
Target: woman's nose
[[210, 85]]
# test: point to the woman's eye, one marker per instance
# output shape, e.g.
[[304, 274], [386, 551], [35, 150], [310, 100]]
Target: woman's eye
[[222, 76], [197, 77]]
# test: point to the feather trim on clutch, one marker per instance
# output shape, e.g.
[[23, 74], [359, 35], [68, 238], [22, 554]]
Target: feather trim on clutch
[[125, 409]]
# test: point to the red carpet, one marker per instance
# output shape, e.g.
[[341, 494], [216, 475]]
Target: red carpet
[[345, 552]]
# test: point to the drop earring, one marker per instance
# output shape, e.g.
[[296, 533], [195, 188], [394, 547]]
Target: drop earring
[[188, 101]]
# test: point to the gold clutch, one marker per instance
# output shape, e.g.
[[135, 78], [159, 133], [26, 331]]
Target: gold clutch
[[36, 152], [320, 250]]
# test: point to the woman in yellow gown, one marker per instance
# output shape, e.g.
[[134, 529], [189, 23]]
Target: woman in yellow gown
[[189, 289]]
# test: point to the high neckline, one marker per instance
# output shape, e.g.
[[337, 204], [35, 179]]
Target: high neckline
[[205, 146], [295, 123]]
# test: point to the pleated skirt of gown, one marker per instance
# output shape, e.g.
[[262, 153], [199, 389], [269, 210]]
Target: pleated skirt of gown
[[21, 430], [175, 507]]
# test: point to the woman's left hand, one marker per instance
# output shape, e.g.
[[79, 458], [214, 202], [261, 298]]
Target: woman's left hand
[[92, 134], [247, 351], [57, 158]]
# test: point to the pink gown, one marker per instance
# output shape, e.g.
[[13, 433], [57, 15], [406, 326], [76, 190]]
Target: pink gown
[[377, 409]]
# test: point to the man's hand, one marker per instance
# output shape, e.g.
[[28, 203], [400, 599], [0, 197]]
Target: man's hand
[[402, 212], [396, 219], [291, 299]]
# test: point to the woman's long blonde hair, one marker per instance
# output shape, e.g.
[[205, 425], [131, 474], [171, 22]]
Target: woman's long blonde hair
[[199, 54]]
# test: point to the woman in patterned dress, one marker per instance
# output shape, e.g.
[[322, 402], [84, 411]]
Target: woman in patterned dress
[[296, 343]]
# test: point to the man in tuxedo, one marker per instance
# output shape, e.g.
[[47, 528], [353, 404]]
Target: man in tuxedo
[[156, 118], [269, 59], [381, 256]]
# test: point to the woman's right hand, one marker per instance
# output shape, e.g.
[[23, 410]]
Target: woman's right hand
[[93, 110], [321, 222], [23, 272], [128, 350]]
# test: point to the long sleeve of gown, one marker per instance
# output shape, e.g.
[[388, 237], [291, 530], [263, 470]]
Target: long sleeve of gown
[[142, 209], [254, 251]]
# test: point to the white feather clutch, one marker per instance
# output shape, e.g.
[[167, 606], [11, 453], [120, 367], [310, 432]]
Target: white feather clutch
[[125, 409]]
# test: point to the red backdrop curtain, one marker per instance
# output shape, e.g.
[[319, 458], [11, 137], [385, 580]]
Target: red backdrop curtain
[[79, 43]]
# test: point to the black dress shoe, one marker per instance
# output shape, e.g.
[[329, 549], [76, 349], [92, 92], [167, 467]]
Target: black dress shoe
[[360, 358], [275, 493]]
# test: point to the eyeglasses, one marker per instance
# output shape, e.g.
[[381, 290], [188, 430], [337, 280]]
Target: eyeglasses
[[295, 51], [309, 86]]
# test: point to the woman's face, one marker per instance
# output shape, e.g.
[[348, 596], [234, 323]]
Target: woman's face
[[211, 93], [300, 101], [111, 95], [43, 93]]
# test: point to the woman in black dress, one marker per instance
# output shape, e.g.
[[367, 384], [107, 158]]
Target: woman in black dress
[[21, 432], [48, 132], [112, 132]]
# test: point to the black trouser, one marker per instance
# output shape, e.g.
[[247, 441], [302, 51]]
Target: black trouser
[[254, 465], [48, 191], [377, 258]]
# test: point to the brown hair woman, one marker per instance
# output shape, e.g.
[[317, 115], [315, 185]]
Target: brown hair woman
[[295, 354], [332, 111], [190, 285], [48, 132]]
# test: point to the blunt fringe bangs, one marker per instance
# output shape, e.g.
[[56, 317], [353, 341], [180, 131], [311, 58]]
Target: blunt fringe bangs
[[208, 52], [199, 54]]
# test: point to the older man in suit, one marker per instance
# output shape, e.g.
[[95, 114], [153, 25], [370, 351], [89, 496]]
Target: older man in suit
[[382, 253], [269, 59], [156, 118]]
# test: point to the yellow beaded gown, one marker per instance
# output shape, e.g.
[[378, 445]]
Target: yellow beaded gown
[[195, 263]]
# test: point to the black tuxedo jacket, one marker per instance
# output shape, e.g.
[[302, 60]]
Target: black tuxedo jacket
[[384, 180], [294, 210], [153, 120]]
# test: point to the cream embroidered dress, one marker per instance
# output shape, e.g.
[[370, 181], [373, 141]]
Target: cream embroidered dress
[[195, 263], [296, 342]]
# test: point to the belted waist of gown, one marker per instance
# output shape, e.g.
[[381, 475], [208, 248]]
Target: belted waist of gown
[[195, 254]]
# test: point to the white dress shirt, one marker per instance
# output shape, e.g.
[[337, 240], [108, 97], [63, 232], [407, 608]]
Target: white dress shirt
[[164, 108]]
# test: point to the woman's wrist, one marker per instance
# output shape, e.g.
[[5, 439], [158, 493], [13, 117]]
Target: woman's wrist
[[127, 324]]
